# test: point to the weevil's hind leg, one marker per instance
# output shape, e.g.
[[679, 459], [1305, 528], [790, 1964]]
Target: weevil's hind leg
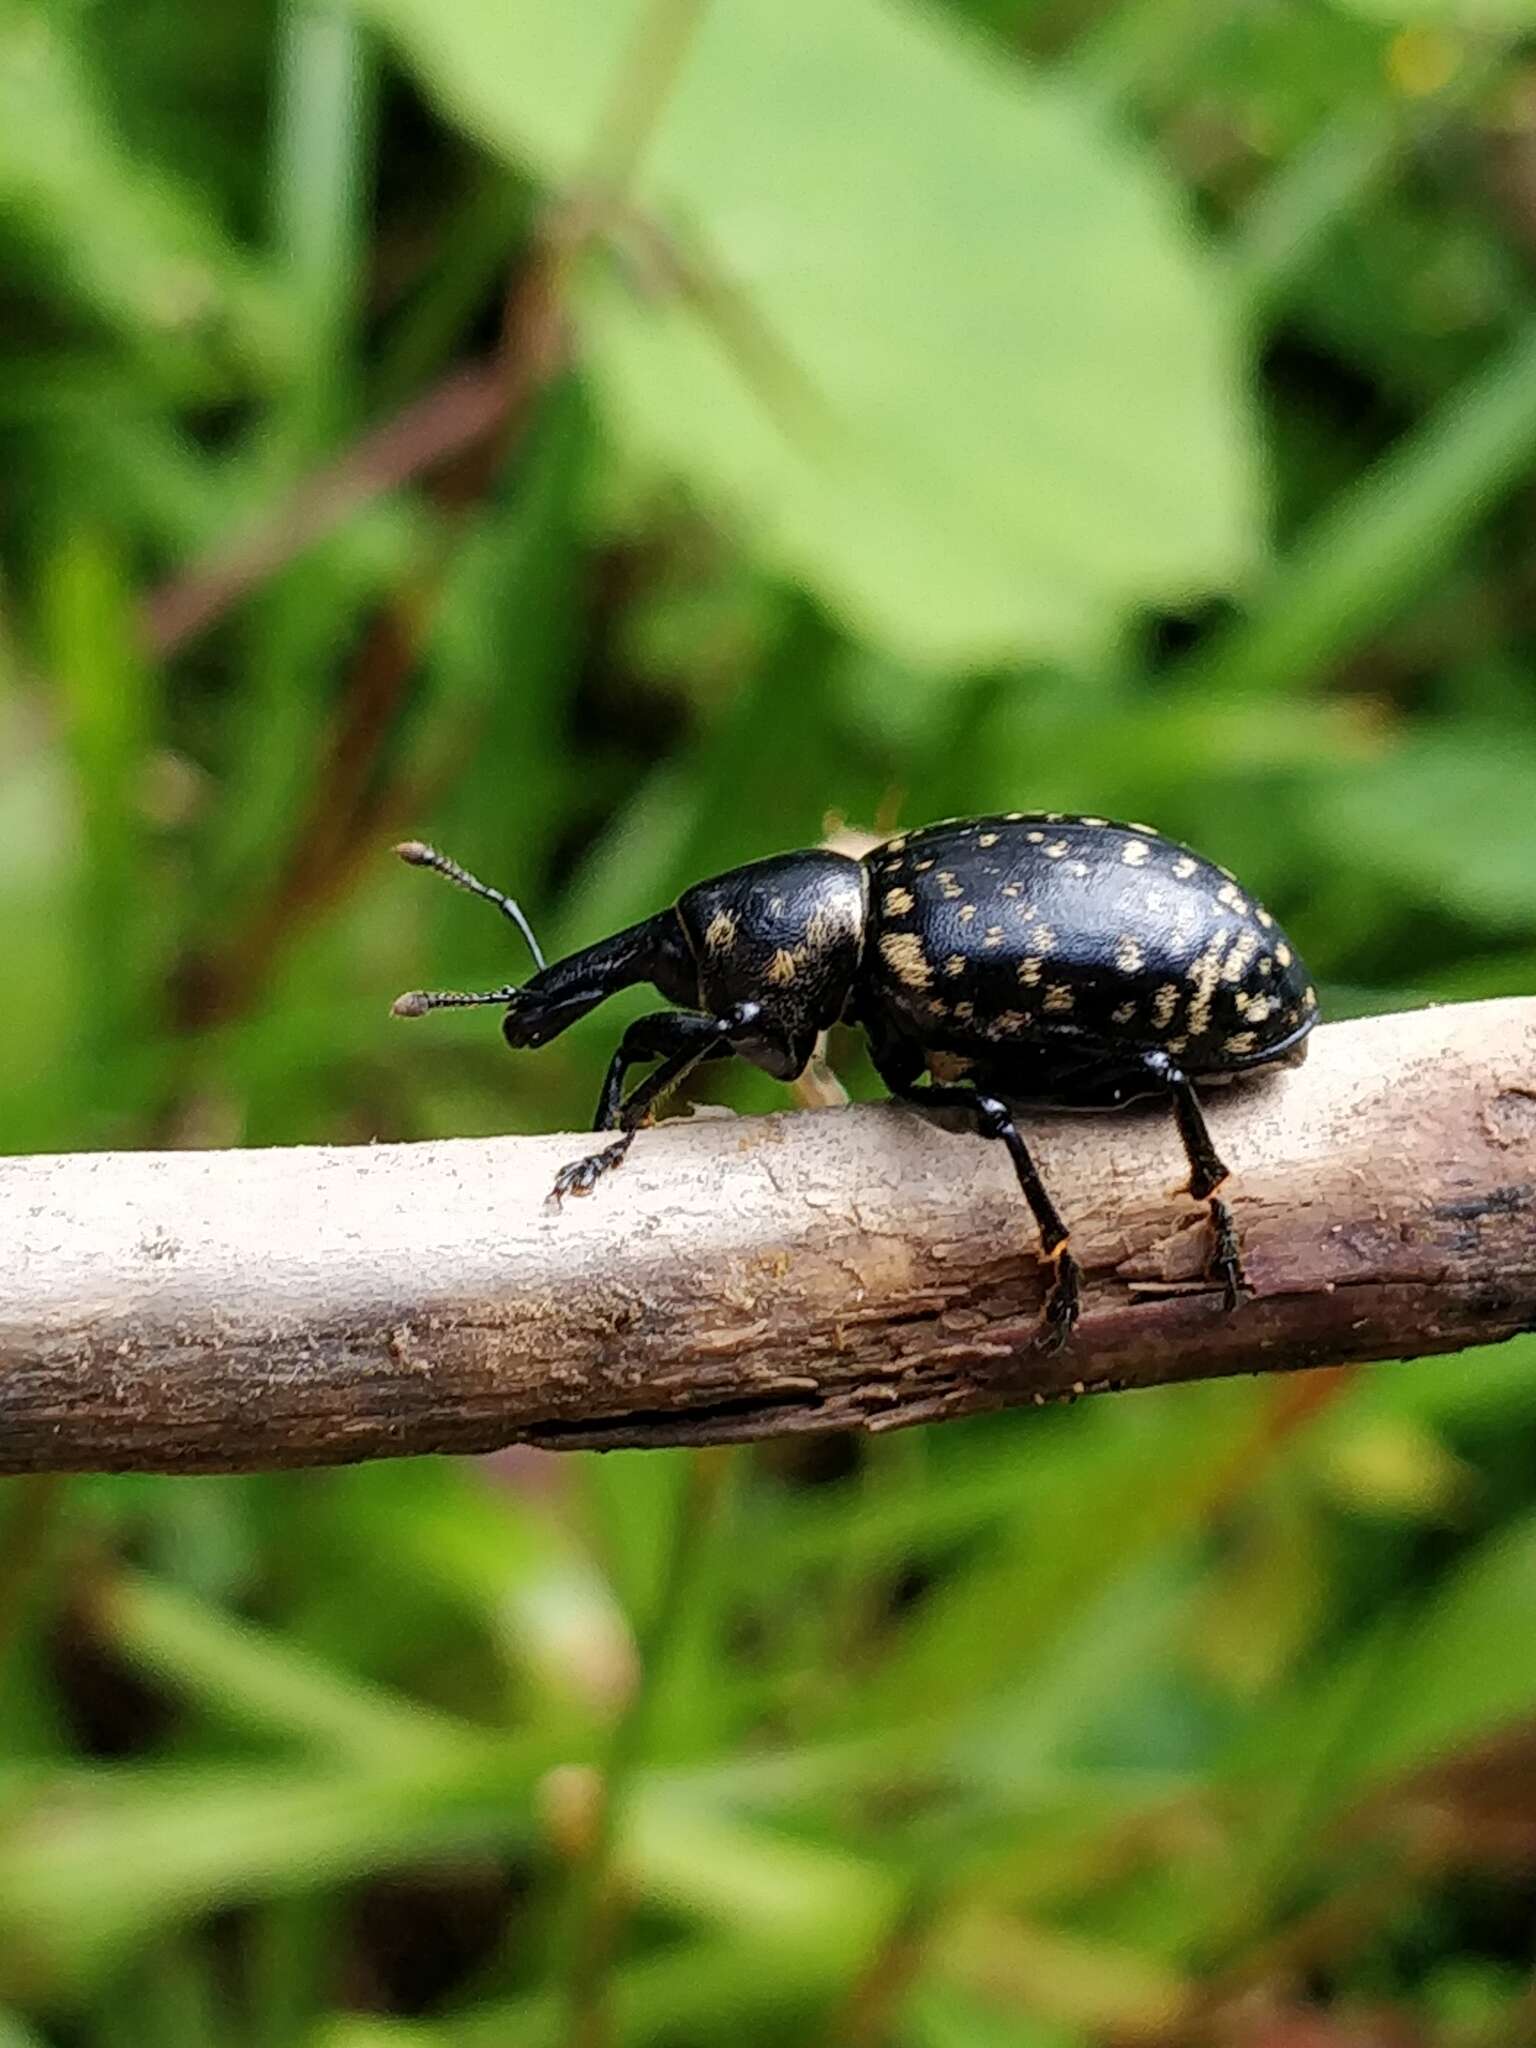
[[1063, 1301], [680, 1040], [1206, 1175]]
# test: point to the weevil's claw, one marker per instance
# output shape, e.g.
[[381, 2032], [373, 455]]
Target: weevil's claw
[[1226, 1264], [1063, 1303], [581, 1176]]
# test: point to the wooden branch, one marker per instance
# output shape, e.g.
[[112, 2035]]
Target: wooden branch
[[749, 1277]]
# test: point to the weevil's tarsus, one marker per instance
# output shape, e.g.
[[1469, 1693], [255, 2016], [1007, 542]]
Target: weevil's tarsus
[[1226, 1262], [420, 855]]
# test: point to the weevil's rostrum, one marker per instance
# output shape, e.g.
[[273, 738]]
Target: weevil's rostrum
[[1028, 957]]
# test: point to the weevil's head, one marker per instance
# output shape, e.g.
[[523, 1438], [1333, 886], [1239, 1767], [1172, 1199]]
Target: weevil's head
[[784, 935]]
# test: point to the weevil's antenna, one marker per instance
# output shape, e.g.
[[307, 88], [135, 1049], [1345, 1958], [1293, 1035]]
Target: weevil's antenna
[[417, 1001], [420, 855]]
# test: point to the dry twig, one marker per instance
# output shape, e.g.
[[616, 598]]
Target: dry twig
[[740, 1278]]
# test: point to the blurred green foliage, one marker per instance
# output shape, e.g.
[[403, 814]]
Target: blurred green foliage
[[613, 439]]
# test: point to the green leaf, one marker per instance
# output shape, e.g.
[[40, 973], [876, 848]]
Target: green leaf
[[1447, 820], [1468, 1668], [1511, 17], [139, 249], [90, 1864], [944, 350], [255, 1680]]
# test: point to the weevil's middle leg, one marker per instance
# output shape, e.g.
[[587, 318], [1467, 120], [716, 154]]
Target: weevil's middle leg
[[994, 1119], [1206, 1175]]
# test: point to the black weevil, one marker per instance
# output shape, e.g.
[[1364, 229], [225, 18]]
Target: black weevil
[[1063, 961]]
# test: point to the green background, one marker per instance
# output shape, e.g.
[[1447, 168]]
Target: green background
[[616, 440]]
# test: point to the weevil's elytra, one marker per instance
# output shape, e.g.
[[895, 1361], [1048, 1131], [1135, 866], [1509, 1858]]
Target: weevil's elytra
[[1030, 957]]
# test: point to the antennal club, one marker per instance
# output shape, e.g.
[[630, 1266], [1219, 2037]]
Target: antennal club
[[420, 855], [417, 1001]]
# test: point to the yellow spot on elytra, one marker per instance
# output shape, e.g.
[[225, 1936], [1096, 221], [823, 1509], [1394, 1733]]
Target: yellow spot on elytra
[[1283, 955], [903, 953], [1134, 852], [921, 867], [1093, 821], [964, 1012], [966, 912], [1184, 867], [1013, 889], [948, 1066], [1035, 838], [898, 902], [1164, 1002], [987, 839], [1077, 867], [1232, 897], [781, 968], [1256, 1007], [896, 845], [1123, 1014], [1059, 998], [1056, 849], [1175, 1044], [1043, 936], [1029, 971], [1009, 1021], [994, 935], [954, 965], [720, 932], [1129, 957], [1263, 916], [1309, 996], [1240, 1041], [1238, 959], [1203, 977], [1265, 966]]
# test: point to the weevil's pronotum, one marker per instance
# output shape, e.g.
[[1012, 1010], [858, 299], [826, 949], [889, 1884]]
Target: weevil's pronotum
[[1032, 957]]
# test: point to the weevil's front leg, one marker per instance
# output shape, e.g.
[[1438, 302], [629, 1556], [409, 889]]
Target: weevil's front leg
[[680, 1039], [1206, 1175]]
